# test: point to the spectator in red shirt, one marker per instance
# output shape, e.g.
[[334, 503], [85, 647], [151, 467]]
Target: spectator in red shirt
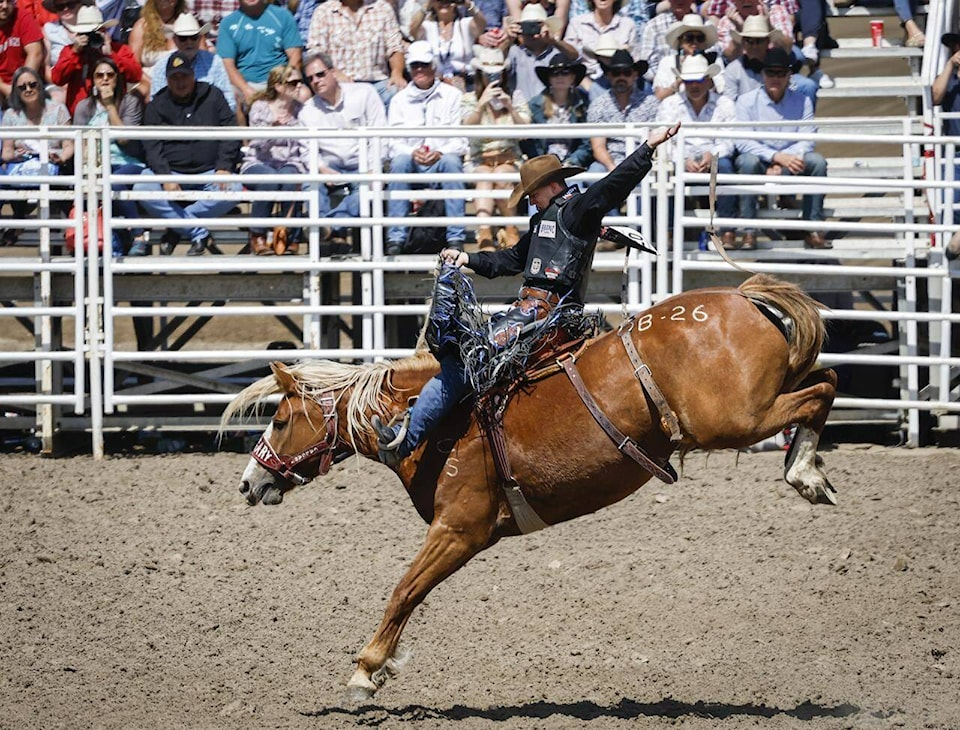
[[92, 42], [21, 44]]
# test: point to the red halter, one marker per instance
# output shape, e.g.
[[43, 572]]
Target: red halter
[[286, 466]]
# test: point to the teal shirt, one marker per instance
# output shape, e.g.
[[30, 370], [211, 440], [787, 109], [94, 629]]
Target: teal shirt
[[256, 45]]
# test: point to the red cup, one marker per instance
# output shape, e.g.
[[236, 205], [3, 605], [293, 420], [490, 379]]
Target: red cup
[[876, 33]]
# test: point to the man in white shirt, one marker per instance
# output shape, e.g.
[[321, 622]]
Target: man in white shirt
[[697, 101], [339, 106], [426, 102]]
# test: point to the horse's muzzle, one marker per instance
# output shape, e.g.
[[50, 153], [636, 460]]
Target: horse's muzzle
[[267, 493]]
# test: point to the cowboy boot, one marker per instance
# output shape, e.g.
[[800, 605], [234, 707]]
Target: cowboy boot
[[508, 237], [485, 239]]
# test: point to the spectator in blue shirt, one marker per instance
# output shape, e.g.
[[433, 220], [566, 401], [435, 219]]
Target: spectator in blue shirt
[[255, 39], [775, 101]]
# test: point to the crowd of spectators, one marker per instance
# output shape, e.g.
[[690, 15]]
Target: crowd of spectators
[[340, 64]]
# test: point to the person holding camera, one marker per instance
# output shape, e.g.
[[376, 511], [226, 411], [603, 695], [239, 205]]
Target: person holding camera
[[536, 38], [91, 43]]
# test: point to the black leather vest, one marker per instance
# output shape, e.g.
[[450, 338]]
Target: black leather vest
[[556, 259]]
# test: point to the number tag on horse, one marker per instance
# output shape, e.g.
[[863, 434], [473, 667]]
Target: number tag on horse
[[548, 229]]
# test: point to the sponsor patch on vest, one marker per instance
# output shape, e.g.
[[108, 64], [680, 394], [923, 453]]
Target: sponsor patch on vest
[[548, 229], [552, 272], [535, 266]]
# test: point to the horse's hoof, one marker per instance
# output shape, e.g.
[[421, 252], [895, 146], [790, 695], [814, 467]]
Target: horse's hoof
[[360, 688], [827, 494]]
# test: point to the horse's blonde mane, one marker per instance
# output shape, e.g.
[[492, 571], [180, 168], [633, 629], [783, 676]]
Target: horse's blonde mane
[[369, 384]]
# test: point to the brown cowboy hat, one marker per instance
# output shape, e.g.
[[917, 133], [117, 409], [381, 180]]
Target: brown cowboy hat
[[540, 171]]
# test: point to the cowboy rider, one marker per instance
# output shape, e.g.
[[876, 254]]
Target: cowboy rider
[[555, 257]]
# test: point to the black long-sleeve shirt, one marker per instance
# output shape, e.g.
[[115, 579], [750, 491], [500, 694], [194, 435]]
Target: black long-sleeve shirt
[[582, 216], [207, 108]]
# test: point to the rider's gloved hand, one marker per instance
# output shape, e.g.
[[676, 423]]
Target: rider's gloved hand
[[454, 257]]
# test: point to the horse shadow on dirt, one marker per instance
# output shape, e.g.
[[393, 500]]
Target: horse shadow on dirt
[[625, 709]]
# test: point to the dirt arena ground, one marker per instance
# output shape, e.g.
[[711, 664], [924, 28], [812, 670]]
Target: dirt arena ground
[[145, 593]]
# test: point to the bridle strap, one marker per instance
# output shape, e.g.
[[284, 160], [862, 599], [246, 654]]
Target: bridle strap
[[285, 466]]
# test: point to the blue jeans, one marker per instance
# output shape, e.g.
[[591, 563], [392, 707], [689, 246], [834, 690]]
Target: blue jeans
[[905, 9], [175, 211], [814, 165], [349, 207], [126, 209], [812, 18], [452, 207], [437, 398], [264, 208]]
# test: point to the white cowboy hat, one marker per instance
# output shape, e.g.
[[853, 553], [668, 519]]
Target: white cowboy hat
[[696, 68], [536, 11], [187, 25], [90, 20], [488, 60], [757, 26], [691, 23], [605, 47]]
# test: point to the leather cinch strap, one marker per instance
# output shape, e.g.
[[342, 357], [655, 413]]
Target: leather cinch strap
[[664, 472]]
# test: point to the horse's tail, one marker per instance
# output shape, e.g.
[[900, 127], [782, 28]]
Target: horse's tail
[[808, 332]]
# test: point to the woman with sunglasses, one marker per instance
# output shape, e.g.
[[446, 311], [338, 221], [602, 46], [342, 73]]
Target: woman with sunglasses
[[561, 102], [109, 105], [21, 157], [451, 34], [276, 106], [688, 37]]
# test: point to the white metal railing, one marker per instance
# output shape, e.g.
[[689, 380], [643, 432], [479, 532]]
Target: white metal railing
[[664, 221], [49, 389]]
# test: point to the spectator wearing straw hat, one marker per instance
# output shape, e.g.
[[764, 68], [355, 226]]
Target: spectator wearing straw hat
[[561, 102], [775, 101], [56, 37], [653, 40], [426, 102], [731, 16], [91, 43], [21, 44], [697, 101], [686, 37], [745, 72], [187, 103], [207, 66], [536, 38], [625, 102], [946, 94]]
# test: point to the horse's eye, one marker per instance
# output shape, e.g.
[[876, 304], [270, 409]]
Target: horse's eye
[[279, 425]]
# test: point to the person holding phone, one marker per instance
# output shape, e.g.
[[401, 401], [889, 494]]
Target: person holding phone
[[493, 102]]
